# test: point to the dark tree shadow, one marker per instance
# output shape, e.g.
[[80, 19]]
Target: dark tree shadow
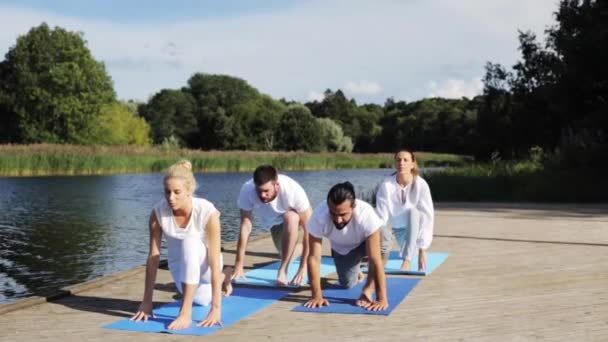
[[167, 287], [123, 308], [596, 211], [256, 254]]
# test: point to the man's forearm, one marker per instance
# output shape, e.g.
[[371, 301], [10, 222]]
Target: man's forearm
[[380, 280], [314, 276], [242, 245], [305, 248]]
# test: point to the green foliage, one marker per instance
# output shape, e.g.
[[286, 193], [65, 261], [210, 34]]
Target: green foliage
[[258, 120], [52, 87], [171, 113], [299, 130], [332, 137], [556, 96], [217, 98], [118, 125], [170, 143], [359, 123], [433, 124], [521, 181], [48, 159]]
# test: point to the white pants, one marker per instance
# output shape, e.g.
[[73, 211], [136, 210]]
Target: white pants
[[191, 266], [407, 236]]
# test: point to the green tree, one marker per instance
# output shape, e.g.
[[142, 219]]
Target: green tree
[[368, 116], [218, 98], [556, 97], [581, 94], [299, 130], [431, 124], [171, 113], [494, 128], [258, 120], [118, 124], [52, 87], [332, 136], [359, 123]]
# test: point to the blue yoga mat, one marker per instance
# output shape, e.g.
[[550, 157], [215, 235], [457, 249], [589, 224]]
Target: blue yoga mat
[[242, 303], [267, 275], [343, 300], [393, 266]]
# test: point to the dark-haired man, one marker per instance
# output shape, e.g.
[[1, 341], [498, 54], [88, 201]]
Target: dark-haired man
[[353, 230], [281, 206]]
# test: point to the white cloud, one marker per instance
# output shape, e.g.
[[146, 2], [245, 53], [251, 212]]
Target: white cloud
[[365, 88], [455, 89], [400, 45], [314, 96]]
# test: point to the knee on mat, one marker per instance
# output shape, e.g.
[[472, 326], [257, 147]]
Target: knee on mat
[[350, 283]]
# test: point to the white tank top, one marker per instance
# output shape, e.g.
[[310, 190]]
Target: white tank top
[[201, 211]]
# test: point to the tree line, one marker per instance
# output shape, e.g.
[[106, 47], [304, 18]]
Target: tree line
[[554, 98]]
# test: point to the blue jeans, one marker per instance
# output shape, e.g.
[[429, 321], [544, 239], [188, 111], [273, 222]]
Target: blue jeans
[[406, 236], [348, 266]]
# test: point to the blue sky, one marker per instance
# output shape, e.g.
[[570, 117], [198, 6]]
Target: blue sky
[[372, 50]]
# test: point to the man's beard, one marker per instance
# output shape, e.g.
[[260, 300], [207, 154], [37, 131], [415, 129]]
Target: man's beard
[[270, 199], [341, 226]]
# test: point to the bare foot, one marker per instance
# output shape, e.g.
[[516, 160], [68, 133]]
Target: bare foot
[[364, 300], [227, 281], [282, 278], [405, 266]]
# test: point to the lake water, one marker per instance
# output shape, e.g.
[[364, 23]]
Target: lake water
[[60, 231]]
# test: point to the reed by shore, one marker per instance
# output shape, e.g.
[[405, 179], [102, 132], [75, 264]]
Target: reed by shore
[[521, 181], [50, 159]]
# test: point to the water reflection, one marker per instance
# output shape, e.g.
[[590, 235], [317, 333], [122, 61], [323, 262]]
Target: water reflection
[[59, 231]]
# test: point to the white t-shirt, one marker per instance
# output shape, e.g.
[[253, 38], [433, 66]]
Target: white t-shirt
[[391, 208], [173, 233], [363, 223], [290, 196]]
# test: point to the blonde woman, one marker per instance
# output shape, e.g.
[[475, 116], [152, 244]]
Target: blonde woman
[[191, 227], [404, 202]]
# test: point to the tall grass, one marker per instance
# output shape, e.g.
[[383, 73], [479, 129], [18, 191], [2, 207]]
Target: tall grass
[[522, 181], [47, 159]]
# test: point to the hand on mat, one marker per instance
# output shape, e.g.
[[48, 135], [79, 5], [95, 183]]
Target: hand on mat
[[238, 273], [181, 322], [378, 305], [214, 317], [421, 260], [145, 310], [316, 303]]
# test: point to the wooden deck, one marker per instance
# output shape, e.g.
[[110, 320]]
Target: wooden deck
[[515, 273]]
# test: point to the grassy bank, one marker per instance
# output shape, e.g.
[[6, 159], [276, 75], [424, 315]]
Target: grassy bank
[[46, 159], [523, 181]]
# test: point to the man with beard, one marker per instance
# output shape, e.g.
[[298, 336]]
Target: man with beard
[[281, 206], [353, 230]]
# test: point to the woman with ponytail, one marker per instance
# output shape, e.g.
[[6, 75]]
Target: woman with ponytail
[[404, 202], [191, 227]]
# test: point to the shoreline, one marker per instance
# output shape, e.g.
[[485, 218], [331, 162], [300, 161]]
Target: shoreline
[[68, 160]]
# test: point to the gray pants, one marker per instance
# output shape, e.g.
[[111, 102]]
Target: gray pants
[[348, 266], [406, 236]]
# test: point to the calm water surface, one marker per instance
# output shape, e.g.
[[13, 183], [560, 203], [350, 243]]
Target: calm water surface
[[59, 231]]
